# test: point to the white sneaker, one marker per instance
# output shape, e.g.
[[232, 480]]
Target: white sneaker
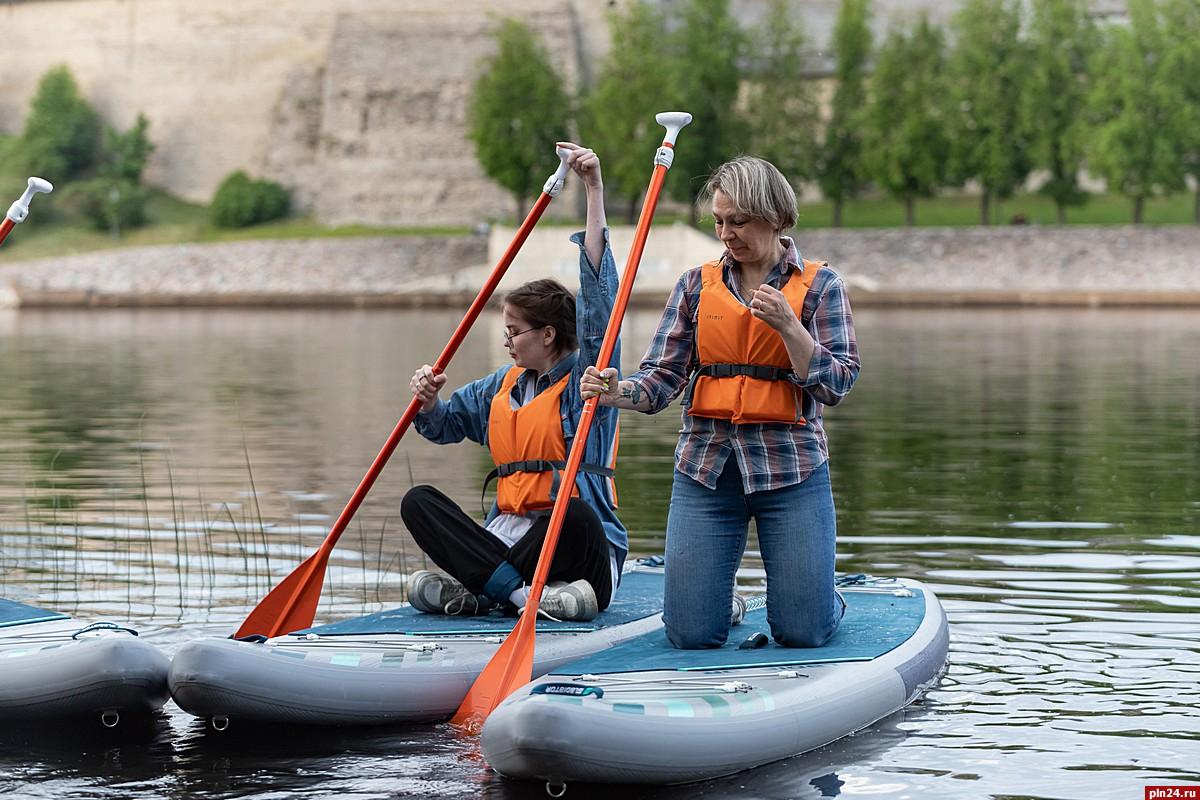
[[569, 602], [435, 593]]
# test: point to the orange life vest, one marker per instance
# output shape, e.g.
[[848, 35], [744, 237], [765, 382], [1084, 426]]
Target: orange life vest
[[744, 365], [529, 449]]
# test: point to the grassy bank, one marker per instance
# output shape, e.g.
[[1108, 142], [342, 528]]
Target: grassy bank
[[963, 210], [53, 229]]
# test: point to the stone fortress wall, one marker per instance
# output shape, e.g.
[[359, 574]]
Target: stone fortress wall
[[359, 106]]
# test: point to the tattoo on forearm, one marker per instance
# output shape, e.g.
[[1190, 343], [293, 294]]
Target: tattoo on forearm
[[632, 393]]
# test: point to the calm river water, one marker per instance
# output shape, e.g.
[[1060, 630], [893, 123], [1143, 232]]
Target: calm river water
[[1040, 469]]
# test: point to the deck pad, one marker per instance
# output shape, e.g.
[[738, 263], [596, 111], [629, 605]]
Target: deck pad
[[875, 623], [14, 613], [640, 595]]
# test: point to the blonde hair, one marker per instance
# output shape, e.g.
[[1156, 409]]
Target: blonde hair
[[756, 188]]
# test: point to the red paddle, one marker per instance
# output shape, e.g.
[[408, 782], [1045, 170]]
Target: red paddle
[[293, 603], [20, 208], [512, 665]]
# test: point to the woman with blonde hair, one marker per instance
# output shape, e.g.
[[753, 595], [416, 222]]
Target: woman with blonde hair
[[758, 342]]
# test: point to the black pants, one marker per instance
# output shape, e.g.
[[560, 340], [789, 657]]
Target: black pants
[[471, 553]]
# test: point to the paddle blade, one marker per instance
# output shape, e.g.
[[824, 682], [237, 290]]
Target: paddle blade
[[508, 670], [292, 604]]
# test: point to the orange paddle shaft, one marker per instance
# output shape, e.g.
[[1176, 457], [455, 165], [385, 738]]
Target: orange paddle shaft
[[512, 665]]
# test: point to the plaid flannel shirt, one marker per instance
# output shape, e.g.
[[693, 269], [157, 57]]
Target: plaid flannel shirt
[[770, 455]]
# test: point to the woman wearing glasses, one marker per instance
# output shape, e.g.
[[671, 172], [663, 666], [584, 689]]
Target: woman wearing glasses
[[526, 415]]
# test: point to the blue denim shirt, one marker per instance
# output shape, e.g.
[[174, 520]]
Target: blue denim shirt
[[465, 415]]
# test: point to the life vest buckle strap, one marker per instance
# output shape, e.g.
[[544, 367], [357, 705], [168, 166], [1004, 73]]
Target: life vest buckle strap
[[537, 465], [759, 371], [528, 465]]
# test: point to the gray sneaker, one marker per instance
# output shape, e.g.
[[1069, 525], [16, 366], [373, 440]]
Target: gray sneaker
[[569, 602], [739, 610], [435, 593]]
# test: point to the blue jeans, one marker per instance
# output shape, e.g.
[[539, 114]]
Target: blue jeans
[[706, 537]]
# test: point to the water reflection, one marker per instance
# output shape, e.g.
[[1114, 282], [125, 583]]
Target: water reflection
[[1040, 469]]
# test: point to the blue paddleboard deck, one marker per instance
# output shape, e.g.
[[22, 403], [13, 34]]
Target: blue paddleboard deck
[[875, 624], [640, 595], [14, 613]]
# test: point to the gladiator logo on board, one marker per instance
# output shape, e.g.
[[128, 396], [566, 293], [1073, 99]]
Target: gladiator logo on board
[[569, 689]]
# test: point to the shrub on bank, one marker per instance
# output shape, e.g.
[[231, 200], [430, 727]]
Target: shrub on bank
[[240, 202], [110, 203]]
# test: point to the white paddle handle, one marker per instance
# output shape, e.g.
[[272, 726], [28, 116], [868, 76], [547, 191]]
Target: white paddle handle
[[20, 209], [673, 121], [555, 182]]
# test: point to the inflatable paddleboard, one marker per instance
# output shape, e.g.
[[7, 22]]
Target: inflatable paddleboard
[[646, 713], [398, 666], [53, 665]]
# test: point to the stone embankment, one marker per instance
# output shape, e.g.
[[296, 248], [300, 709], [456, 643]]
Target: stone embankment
[[1073, 266], [1018, 265], [353, 272]]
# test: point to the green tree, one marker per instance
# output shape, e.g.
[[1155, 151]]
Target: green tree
[[1062, 40], [839, 161], [62, 129], [904, 135], [986, 73], [1181, 69], [781, 110], [115, 198], [1136, 112], [618, 112], [124, 155], [517, 111], [708, 45]]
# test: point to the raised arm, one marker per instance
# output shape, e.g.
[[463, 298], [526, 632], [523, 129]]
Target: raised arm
[[598, 279], [586, 164]]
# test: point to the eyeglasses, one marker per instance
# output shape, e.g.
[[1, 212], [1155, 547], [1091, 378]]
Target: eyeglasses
[[508, 337]]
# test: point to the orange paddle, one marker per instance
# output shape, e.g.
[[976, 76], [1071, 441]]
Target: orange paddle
[[293, 603], [512, 665]]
